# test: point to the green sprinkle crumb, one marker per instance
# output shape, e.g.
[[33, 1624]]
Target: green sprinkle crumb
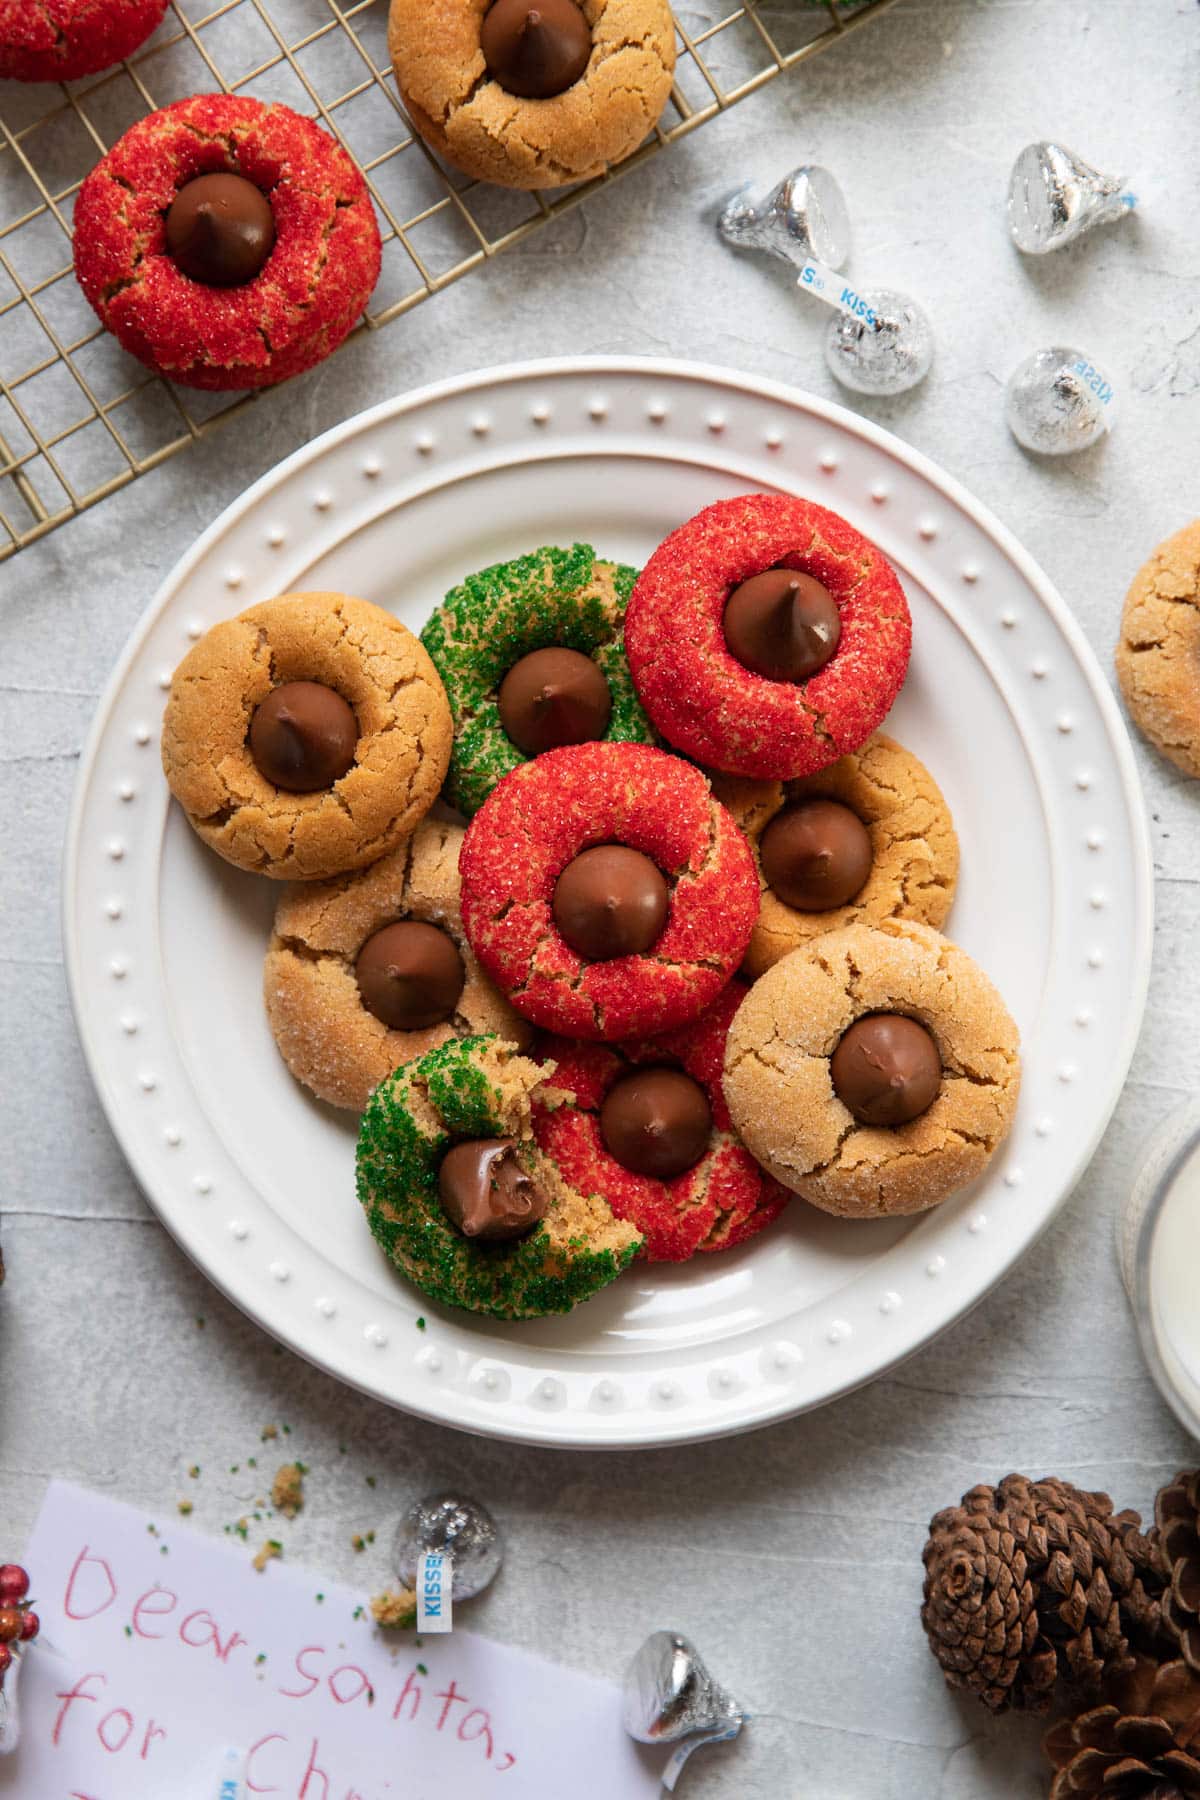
[[185, 1507], [421, 1669], [420, 1324]]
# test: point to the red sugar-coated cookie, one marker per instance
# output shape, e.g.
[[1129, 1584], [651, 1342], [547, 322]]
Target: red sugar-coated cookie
[[58, 40], [538, 819], [725, 1199], [308, 294], [703, 700]]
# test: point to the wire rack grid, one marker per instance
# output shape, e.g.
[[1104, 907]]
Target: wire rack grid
[[80, 419]]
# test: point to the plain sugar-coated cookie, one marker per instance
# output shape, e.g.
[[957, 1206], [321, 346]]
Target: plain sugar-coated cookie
[[466, 1091], [398, 763], [722, 1200], [540, 821], [533, 140], [780, 1080], [550, 598], [290, 306], [60, 40], [325, 1032], [721, 710], [1158, 654], [911, 849]]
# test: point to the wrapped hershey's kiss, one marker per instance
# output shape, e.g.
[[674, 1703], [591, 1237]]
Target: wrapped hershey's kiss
[[881, 344], [803, 215], [669, 1697], [1054, 197], [1058, 402], [447, 1548]]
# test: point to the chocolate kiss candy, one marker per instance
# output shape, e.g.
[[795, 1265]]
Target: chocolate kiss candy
[[554, 697], [410, 975], [816, 855], [886, 1069], [669, 1697], [656, 1122], [220, 230], [611, 901], [457, 1527], [1057, 402], [782, 625], [885, 347], [535, 48], [486, 1193], [1054, 197], [803, 216], [303, 736]]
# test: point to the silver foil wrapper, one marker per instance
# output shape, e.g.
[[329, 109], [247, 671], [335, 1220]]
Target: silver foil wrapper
[[1054, 197], [885, 348], [450, 1522], [803, 215], [1054, 402], [669, 1697]]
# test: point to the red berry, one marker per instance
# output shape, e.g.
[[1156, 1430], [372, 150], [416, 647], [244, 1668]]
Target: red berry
[[6, 1657], [11, 1621], [30, 1626], [14, 1583]]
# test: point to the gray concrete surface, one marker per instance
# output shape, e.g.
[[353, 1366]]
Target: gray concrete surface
[[791, 1556]]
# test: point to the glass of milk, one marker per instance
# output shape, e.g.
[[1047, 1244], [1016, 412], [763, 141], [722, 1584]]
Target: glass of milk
[[1159, 1248]]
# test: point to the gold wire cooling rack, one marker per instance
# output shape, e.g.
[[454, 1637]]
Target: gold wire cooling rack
[[78, 417]]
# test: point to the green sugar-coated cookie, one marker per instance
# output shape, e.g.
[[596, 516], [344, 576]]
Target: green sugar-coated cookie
[[550, 597], [471, 1088]]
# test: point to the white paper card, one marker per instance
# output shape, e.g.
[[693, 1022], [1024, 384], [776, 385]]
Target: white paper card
[[168, 1648]]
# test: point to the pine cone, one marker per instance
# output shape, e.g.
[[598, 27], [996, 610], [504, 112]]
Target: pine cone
[[1140, 1745], [1032, 1581], [1177, 1521]]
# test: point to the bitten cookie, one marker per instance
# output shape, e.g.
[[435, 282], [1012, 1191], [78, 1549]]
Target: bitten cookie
[[226, 243], [473, 1097], [350, 999], [1158, 654], [858, 1113], [606, 892], [867, 839], [767, 637], [307, 736], [533, 97], [60, 40], [662, 1154], [498, 641]]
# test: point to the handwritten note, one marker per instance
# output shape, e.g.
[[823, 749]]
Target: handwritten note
[[162, 1648]]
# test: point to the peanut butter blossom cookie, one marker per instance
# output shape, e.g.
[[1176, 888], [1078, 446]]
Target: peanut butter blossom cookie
[[373, 969], [59, 40], [307, 736], [1158, 655], [647, 1128], [532, 656], [767, 637], [226, 243], [874, 1071], [868, 838], [463, 1201], [606, 892], [533, 93]]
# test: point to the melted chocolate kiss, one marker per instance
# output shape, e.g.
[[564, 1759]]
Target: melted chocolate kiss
[[303, 736], [611, 901], [220, 230], [535, 48], [656, 1122], [782, 625], [486, 1194], [410, 975], [816, 855], [886, 1069], [554, 697]]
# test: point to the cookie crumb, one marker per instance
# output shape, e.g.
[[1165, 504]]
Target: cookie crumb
[[287, 1490], [269, 1552], [361, 1539], [185, 1508], [269, 1432], [395, 1609]]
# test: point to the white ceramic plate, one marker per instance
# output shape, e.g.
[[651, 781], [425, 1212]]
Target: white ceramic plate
[[1005, 703]]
